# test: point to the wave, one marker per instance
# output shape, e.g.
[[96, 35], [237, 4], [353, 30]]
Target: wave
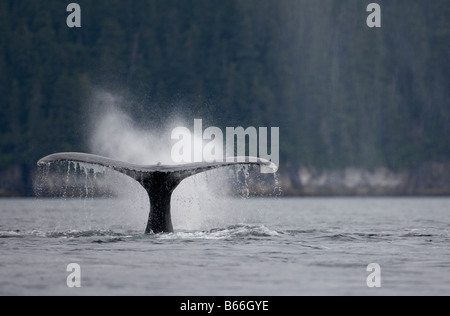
[[11, 234], [85, 233], [67, 234], [235, 231], [241, 231], [231, 232]]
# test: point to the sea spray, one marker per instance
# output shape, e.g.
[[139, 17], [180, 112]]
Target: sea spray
[[84, 187], [114, 134], [277, 189], [200, 202], [40, 180]]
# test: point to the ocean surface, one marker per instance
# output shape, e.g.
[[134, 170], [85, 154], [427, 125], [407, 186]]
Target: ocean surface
[[301, 246]]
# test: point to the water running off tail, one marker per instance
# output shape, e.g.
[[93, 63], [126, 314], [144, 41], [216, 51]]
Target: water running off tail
[[159, 181]]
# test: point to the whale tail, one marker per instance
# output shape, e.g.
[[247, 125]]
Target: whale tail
[[159, 181]]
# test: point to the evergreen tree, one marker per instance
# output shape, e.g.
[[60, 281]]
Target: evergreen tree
[[343, 94]]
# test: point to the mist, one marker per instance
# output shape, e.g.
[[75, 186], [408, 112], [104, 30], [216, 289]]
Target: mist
[[116, 135], [200, 202]]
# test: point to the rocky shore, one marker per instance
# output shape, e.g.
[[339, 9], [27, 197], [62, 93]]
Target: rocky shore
[[428, 179]]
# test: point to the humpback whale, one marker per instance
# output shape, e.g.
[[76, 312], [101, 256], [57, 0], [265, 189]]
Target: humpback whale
[[159, 181]]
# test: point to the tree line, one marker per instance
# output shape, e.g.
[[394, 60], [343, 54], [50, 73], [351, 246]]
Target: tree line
[[342, 94]]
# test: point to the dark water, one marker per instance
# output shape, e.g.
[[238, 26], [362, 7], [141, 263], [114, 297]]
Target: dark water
[[243, 247]]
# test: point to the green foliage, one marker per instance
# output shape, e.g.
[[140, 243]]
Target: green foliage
[[342, 94]]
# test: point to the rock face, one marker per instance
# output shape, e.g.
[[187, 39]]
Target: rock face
[[430, 179], [427, 179]]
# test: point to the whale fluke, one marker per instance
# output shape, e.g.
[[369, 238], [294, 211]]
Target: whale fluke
[[158, 180]]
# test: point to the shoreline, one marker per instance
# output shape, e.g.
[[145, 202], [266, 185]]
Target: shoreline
[[428, 179]]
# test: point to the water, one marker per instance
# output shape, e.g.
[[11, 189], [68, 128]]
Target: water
[[299, 246]]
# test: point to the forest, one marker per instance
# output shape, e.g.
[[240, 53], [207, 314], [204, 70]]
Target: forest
[[342, 94]]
